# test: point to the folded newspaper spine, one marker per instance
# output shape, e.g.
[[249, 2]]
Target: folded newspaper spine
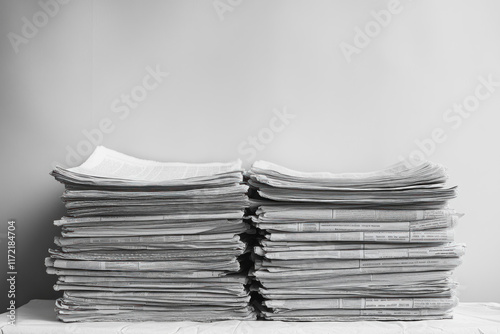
[[353, 246], [150, 241]]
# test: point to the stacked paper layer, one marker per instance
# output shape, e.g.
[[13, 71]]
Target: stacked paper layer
[[151, 241], [345, 247]]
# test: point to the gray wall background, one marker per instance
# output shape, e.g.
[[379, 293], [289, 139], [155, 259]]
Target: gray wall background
[[230, 64]]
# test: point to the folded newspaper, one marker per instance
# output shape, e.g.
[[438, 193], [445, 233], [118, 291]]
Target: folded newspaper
[[353, 246], [155, 241], [151, 241]]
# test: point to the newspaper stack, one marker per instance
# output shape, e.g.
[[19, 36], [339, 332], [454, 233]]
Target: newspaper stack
[[150, 241], [346, 247]]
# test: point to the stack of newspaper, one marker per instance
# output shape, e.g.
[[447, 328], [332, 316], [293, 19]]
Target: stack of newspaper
[[145, 241], [354, 246]]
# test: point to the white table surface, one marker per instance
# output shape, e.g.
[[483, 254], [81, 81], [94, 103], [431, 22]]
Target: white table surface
[[38, 317]]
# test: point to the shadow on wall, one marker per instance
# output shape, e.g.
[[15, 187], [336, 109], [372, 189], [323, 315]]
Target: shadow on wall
[[34, 236]]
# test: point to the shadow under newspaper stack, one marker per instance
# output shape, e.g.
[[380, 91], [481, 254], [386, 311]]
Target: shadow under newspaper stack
[[150, 241], [354, 246]]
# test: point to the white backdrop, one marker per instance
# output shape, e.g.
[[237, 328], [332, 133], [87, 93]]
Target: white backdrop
[[313, 85]]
